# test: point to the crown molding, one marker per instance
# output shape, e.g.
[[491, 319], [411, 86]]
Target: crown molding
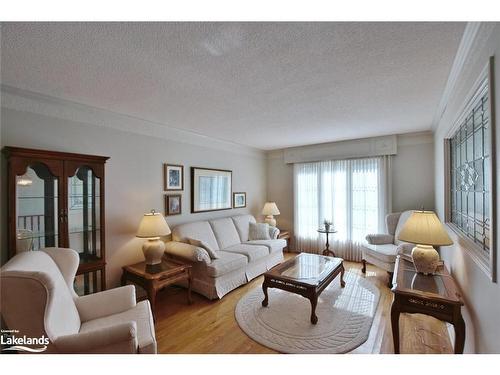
[[28, 101], [465, 49]]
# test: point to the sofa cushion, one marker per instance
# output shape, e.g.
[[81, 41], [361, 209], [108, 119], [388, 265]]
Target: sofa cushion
[[141, 314], [402, 220], [225, 232], [242, 224], [201, 230], [272, 245], [227, 262], [386, 253], [211, 252], [258, 231], [252, 252]]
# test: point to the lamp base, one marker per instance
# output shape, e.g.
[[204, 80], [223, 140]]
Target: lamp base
[[425, 258], [270, 220], [153, 250]]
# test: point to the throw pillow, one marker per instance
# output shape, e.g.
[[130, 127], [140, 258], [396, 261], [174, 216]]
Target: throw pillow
[[258, 231], [211, 252]]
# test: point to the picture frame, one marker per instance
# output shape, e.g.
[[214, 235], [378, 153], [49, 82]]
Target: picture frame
[[211, 189], [173, 204], [239, 199], [173, 177]]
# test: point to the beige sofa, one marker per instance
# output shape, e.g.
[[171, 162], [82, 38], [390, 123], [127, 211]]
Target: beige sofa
[[37, 299], [240, 260]]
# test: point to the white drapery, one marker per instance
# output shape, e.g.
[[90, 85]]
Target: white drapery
[[354, 194]]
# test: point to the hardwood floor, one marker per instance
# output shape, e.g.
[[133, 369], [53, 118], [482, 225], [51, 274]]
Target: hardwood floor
[[210, 326]]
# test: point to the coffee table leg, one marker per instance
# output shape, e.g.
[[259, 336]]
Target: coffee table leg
[[266, 298], [314, 303], [342, 270]]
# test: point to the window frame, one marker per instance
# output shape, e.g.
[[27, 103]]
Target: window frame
[[486, 263]]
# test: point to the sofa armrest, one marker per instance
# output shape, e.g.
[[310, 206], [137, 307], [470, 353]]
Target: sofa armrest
[[105, 303], [187, 251], [274, 232], [119, 338], [379, 239]]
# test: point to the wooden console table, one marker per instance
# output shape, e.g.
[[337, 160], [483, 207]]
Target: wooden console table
[[435, 295]]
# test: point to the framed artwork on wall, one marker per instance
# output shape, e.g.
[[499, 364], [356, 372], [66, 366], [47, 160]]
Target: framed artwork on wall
[[173, 177], [173, 204], [211, 189], [239, 200]]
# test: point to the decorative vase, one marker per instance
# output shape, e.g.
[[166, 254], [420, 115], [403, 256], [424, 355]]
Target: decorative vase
[[425, 258], [327, 227]]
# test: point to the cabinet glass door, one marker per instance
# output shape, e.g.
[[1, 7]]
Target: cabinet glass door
[[84, 214], [36, 209]]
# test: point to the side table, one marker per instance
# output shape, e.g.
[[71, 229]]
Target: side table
[[435, 295], [156, 277], [327, 251], [285, 235]]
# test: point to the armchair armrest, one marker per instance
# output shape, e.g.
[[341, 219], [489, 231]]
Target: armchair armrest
[[379, 239], [187, 251], [108, 302], [405, 248], [274, 232], [119, 338]]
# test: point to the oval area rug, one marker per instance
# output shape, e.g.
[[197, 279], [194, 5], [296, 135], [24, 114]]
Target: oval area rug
[[345, 316]]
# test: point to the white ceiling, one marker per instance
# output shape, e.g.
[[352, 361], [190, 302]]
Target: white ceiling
[[266, 85]]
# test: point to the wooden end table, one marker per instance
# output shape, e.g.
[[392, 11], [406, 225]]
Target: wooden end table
[[285, 235], [435, 295], [156, 277], [306, 275]]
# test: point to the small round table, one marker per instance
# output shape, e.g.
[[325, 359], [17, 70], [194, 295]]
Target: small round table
[[327, 250]]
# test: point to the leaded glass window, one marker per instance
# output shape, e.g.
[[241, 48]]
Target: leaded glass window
[[470, 167]]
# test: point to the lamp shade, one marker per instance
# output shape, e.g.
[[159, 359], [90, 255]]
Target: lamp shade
[[153, 225], [270, 208], [424, 228]]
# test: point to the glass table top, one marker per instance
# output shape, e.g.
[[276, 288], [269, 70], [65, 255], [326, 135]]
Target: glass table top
[[307, 268], [424, 283]]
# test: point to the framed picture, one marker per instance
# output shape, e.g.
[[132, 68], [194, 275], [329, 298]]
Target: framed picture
[[211, 189], [173, 204], [173, 177], [239, 200]]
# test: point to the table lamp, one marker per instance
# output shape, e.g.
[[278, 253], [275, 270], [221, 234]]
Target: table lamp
[[424, 229], [269, 210], [152, 227]]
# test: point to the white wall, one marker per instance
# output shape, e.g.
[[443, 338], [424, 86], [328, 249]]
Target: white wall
[[482, 297], [412, 184], [134, 171]]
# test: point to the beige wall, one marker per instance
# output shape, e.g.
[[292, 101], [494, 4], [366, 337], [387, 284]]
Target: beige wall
[[134, 173], [412, 184], [482, 297]]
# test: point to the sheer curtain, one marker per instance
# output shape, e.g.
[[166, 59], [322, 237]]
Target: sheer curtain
[[354, 194]]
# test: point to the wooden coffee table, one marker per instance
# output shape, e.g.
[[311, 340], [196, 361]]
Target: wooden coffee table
[[307, 275]]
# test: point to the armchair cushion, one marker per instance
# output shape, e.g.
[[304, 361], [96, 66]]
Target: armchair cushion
[[140, 314], [108, 302], [380, 239], [385, 253], [187, 251], [117, 338]]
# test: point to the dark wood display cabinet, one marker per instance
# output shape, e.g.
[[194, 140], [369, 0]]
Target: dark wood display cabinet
[[56, 199]]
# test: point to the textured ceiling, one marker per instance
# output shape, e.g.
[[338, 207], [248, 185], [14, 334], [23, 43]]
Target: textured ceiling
[[267, 85]]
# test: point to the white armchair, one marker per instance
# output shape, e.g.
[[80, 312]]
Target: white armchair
[[381, 249], [37, 299]]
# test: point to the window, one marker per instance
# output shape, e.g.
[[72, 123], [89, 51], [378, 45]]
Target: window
[[350, 193], [470, 178]]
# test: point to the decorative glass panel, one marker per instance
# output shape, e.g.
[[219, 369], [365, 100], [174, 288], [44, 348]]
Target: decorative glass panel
[[36, 221], [470, 165], [88, 283], [84, 214]]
